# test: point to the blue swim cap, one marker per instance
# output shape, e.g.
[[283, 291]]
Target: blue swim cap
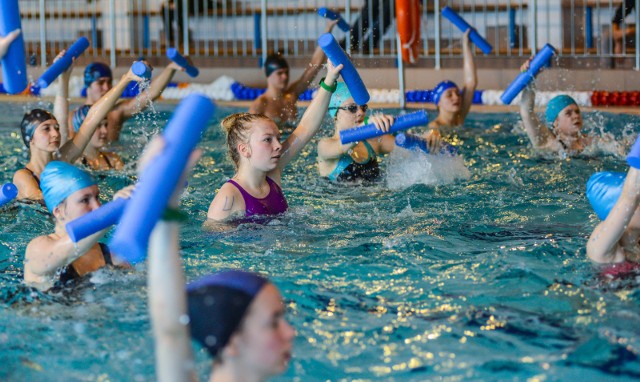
[[273, 63], [79, 116], [440, 89], [555, 106], [217, 304], [603, 191], [94, 71], [31, 121], [61, 179], [338, 97]]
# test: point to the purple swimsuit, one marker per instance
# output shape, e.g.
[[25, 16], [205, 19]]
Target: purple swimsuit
[[274, 203]]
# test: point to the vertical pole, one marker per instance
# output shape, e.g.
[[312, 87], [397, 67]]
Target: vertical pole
[[347, 15], [185, 26], [400, 71], [588, 20], [437, 19], [533, 23], [263, 27], [637, 35], [112, 32], [43, 36]]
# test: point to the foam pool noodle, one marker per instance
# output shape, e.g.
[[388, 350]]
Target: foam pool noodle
[[63, 63], [540, 60], [158, 181], [400, 123], [474, 36], [179, 59], [96, 220], [8, 192], [142, 70], [331, 15], [414, 142], [14, 63], [349, 73]]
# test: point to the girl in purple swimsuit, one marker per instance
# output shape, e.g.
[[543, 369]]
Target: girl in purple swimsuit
[[255, 148]]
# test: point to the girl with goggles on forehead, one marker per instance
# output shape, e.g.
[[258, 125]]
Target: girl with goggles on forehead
[[357, 161]]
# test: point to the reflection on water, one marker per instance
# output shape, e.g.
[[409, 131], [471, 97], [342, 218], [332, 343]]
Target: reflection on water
[[468, 270]]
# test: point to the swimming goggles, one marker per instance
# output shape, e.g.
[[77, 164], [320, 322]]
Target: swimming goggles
[[353, 108]]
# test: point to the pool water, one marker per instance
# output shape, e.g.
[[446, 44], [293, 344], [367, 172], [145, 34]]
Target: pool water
[[474, 272]]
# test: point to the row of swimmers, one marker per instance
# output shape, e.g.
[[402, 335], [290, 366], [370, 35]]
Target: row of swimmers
[[261, 345]]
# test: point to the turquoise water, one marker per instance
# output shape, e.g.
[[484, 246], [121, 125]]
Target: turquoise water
[[481, 278]]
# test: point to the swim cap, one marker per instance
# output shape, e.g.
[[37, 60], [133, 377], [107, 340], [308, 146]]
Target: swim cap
[[603, 191], [273, 63], [440, 89], [30, 122], [61, 179], [555, 106], [94, 71], [338, 97], [79, 116], [217, 305]]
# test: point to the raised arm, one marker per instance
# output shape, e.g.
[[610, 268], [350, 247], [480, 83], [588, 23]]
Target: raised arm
[[604, 240], [470, 76], [61, 103], [539, 134], [311, 120], [73, 149], [318, 58]]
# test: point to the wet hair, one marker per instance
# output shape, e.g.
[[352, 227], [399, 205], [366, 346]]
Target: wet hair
[[31, 121], [274, 62], [237, 127]]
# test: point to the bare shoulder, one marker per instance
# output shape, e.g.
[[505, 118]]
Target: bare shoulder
[[27, 185], [38, 247], [227, 202], [258, 105]]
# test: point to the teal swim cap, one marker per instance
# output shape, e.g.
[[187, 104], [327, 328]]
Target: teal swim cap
[[79, 116], [603, 191], [338, 97], [61, 179], [555, 106]]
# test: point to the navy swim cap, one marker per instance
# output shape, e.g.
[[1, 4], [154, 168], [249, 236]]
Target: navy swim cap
[[79, 116], [604, 190], [217, 305], [273, 63], [440, 88], [94, 71], [61, 179], [555, 106], [30, 122]]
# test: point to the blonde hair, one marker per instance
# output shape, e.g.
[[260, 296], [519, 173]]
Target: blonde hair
[[237, 127]]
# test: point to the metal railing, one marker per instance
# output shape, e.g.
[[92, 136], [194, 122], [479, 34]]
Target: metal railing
[[252, 28]]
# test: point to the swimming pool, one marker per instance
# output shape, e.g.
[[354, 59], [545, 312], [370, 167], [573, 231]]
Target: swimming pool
[[483, 278]]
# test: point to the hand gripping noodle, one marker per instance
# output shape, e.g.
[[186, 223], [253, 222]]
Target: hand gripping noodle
[[331, 15], [14, 64], [413, 142], [8, 192], [141, 70], [63, 63], [158, 181], [179, 59], [402, 122], [349, 73], [474, 36], [96, 220], [541, 59], [603, 191]]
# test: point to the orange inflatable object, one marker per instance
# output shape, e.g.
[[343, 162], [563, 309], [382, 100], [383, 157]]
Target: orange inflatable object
[[408, 21]]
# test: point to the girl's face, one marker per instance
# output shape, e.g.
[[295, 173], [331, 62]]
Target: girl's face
[[350, 114], [450, 100], [99, 138], [78, 204], [98, 88], [569, 121], [263, 149], [46, 136], [265, 340]]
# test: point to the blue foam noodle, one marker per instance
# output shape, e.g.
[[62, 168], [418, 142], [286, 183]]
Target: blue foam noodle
[[414, 142], [96, 220], [540, 60], [8, 192], [63, 63], [141, 70], [14, 64], [400, 123], [331, 15], [633, 158], [461, 23], [158, 181], [179, 59], [349, 73]]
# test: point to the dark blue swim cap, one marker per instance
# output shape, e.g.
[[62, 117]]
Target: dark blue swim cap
[[440, 88], [30, 122], [273, 63], [94, 71], [217, 305]]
